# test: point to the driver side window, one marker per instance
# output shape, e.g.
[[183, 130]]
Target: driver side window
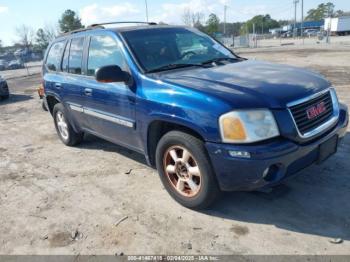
[[104, 51]]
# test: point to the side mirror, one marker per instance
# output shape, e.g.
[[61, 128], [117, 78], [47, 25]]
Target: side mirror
[[112, 74]]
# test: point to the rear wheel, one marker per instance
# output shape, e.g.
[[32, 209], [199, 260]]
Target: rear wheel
[[64, 129], [185, 170]]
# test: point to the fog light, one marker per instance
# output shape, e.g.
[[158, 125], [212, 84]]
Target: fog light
[[270, 173], [240, 154]]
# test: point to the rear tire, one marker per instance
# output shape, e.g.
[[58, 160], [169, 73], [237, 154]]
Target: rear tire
[[185, 170], [64, 129]]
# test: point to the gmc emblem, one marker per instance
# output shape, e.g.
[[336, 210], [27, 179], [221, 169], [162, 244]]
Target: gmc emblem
[[316, 110]]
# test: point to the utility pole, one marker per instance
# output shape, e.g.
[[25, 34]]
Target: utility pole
[[146, 10], [225, 9], [329, 28], [254, 36], [302, 20], [295, 18]]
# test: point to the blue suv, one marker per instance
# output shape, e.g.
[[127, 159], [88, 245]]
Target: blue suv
[[208, 119]]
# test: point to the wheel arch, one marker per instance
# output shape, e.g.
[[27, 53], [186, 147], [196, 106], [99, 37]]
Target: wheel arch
[[52, 100], [159, 127]]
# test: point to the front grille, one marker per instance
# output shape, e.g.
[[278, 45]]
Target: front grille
[[299, 112]]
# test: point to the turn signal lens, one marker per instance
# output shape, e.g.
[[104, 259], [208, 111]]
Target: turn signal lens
[[233, 129]]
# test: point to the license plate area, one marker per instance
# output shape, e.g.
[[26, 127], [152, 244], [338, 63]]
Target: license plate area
[[327, 149]]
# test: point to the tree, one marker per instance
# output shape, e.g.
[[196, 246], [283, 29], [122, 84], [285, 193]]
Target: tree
[[283, 22], [339, 13], [0, 45], [41, 39], [212, 24], [69, 21], [322, 11], [187, 17], [44, 36], [51, 31], [231, 28], [197, 20], [263, 23], [25, 35], [190, 18]]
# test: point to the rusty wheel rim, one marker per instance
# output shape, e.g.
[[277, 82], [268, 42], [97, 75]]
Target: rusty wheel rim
[[182, 171]]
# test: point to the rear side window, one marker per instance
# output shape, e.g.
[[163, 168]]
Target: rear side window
[[103, 51], [76, 56], [53, 60]]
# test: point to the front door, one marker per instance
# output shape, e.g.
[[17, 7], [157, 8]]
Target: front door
[[109, 107]]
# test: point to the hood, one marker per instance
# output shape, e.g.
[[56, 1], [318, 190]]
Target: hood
[[251, 83]]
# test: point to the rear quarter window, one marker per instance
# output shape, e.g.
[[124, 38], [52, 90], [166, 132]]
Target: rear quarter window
[[53, 60]]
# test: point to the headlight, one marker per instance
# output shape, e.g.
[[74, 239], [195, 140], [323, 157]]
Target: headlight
[[247, 126]]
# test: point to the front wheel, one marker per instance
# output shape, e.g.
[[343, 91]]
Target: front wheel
[[185, 170]]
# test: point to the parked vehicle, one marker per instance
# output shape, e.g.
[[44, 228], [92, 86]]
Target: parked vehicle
[[15, 64], [287, 34], [4, 89], [208, 119], [338, 25], [311, 32], [3, 65]]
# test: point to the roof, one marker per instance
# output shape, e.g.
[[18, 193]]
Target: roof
[[123, 27]]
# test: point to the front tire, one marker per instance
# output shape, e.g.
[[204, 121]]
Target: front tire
[[185, 170], [64, 129]]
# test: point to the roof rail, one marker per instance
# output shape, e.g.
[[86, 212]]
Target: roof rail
[[123, 22], [81, 30], [95, 26]]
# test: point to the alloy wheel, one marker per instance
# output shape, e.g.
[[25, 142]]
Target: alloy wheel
[[182, 171], [62, 125]]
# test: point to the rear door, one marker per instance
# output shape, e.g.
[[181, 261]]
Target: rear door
[[73, 86], [109, 107]]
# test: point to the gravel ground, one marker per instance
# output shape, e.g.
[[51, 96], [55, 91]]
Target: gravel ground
[[60, 200]]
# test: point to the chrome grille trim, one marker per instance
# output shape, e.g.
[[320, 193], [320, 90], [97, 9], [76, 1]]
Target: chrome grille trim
[[324, 126]]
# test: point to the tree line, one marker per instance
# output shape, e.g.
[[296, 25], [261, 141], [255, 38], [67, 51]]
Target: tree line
[[260, 23], [39, 40]]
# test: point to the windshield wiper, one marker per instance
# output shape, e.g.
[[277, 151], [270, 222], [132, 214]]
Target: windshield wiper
[[219, 59], [172, 66]]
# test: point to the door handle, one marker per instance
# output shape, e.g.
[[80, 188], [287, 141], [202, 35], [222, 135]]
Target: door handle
[[58, 85], [88, 91]]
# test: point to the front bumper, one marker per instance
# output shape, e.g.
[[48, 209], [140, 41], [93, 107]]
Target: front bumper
[[285, 156]]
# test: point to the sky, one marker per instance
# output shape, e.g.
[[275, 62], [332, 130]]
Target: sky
[[45, 13]]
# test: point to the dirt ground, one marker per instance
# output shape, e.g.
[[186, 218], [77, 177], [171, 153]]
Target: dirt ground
[[60, 200]]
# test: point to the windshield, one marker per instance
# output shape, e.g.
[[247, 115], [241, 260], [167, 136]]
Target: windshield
[[163, 48]]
